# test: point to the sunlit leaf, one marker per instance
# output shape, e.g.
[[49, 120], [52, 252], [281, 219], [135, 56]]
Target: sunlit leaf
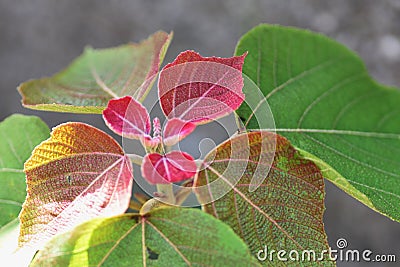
[[19, 135], [99, 75], [175, 130], [79, 173], [326, 104], [174, 166], [128, 118], [165, 237], [199, 89], [284, 213]]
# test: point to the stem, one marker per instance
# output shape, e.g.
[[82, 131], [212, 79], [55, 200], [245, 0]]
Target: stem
[[134, 205], [141, 198], [184, 191], [239, 123], [167, 193], [198, 162], [136, 159], [182, 195]]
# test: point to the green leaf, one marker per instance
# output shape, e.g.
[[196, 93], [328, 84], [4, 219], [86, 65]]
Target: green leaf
[[285, 212], [19, 135], [164, 237], [326, 104], [99, 75]]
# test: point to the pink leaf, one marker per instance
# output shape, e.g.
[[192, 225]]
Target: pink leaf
[[200, 89], [172, 167], [127, 117], [175, 130], [78, 174]]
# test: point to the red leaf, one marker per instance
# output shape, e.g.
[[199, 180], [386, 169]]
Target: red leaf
[[78, 174], [172, 167], [175, 130], [127, 117], [200, 89]]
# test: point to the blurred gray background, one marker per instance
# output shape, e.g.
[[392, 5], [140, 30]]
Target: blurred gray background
[[39, 38]]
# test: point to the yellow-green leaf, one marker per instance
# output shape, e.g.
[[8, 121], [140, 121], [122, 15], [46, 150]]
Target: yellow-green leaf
[[164, 237], [99, 75]]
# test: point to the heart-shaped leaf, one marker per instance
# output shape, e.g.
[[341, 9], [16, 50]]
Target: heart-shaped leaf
[[19, 135], [99, 75], [79, 173], [172, 167], [325, 103], [199, 89], [165, 237], [128, 118], [284, 213], [175, 130]]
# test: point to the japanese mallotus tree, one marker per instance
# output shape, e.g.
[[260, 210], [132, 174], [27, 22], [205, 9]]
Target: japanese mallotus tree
[[68, 192]]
